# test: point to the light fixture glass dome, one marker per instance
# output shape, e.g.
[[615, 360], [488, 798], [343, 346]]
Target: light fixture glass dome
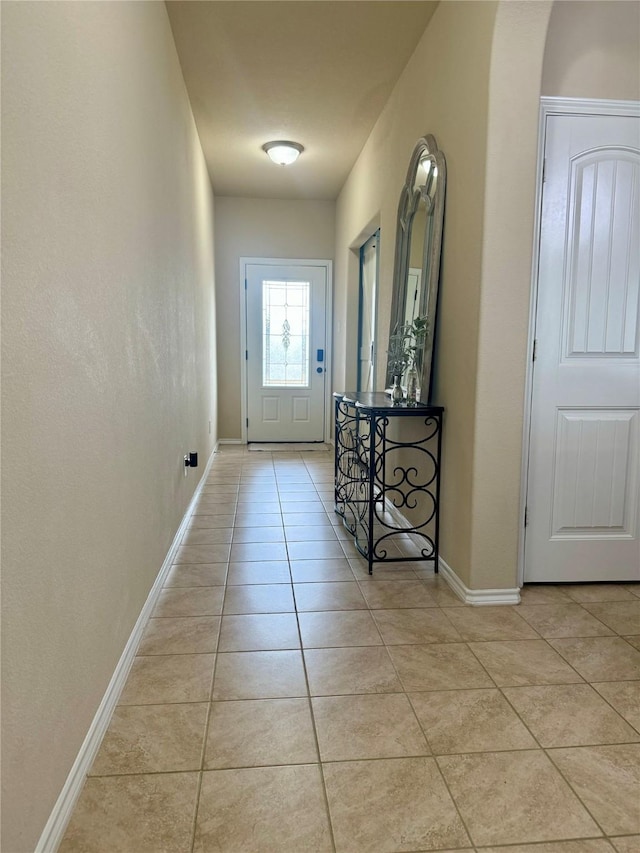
[[282, 152]]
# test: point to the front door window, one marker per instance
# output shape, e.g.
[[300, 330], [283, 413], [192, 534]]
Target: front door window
[[285, 334]]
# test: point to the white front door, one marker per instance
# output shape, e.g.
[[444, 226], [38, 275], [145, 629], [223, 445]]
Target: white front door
[[286, 355], [584, 470]]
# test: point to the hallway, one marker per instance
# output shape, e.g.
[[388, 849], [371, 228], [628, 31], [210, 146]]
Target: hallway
[[282, 700]]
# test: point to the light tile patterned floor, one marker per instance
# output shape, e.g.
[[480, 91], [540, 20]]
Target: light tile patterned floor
[[282, 700]]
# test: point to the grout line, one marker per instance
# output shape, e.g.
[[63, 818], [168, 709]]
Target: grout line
[[208, 716], [312, 715], [320, 764], [567, 781], [274, 465]]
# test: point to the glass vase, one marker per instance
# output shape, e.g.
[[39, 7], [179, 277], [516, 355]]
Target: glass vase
[[413, 388], [397, 394]]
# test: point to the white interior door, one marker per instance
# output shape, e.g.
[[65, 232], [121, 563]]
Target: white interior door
[[584, 472], [286, 356]]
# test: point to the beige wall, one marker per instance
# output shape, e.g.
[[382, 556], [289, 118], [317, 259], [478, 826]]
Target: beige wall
[[512, 135], [592, 50], [443, 91], [257, 228], [108, 362]]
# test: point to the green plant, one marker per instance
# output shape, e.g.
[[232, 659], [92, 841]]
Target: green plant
[[406, 345]]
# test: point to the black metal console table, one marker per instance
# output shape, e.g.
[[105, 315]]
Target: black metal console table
[[387, 476]]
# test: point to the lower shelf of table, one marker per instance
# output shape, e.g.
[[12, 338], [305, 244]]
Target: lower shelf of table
[[388, 544]]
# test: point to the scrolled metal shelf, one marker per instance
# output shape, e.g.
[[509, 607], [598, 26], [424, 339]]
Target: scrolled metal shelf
[[403, 473], [432, 422], [434, 508], [426, 554], [372, 487]]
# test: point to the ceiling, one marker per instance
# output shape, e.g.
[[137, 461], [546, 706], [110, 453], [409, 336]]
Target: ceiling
[[317, 72]]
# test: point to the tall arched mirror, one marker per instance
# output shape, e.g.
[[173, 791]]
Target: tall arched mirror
[[418, 244]]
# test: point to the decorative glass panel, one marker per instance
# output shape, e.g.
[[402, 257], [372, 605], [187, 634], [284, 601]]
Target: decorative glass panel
[[285, 333]]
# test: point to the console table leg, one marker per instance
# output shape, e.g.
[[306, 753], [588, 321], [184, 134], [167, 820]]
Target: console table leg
[[372, 484], [436, 550]]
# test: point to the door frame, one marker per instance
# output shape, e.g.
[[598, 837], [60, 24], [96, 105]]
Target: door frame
[[549, 106], [328, 332]]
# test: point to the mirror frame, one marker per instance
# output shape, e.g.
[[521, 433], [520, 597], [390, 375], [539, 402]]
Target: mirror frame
[[425, 148]]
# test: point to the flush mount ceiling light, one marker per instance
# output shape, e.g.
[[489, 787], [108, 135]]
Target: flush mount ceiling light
[[282, 152]]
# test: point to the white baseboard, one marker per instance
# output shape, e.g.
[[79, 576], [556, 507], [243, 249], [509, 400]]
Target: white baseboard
[[59, 818], [240, 441], [477, 596]]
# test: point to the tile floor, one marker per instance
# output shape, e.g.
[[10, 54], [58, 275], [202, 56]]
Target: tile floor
[[282, 700]]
